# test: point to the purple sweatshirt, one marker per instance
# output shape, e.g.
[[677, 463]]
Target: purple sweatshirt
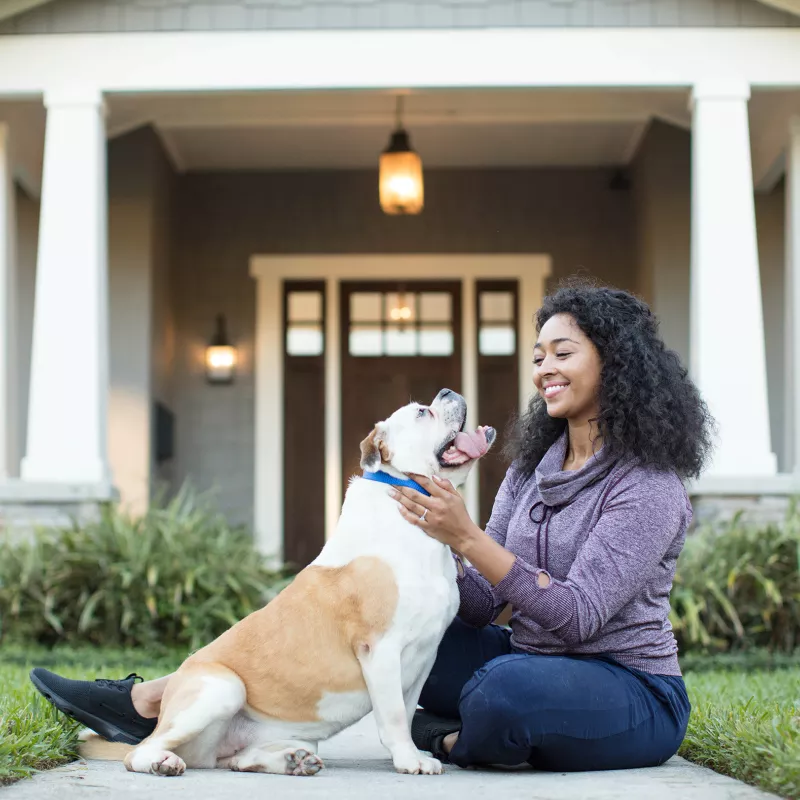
[[608, 535]]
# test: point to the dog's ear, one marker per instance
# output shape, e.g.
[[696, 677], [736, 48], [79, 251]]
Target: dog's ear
[[374, 449]]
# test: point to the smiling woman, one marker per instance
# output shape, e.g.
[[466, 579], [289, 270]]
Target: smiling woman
[[583, 541]]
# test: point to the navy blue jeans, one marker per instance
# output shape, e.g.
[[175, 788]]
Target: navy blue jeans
[[558, 713]]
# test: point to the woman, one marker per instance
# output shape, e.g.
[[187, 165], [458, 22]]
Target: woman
[[582, 543]]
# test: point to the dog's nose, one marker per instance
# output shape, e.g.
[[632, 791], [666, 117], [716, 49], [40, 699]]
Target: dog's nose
[[444, 393]]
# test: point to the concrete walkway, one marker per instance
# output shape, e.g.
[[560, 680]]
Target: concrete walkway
[[358, 766]]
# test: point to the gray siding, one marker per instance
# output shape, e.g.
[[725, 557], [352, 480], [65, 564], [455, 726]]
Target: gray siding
[[84, 16]]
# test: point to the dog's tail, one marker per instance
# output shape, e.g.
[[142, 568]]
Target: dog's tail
[[95, 748]]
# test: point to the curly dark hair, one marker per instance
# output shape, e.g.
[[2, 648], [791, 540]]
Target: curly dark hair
[[649, 408]]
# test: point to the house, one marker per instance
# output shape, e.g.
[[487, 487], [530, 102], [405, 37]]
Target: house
[[163, 162]]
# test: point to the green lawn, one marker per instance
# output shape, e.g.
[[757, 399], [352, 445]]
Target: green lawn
[[32, 734], [744, 723], [747, 725]]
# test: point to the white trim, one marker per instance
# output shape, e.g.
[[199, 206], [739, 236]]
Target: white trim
[[270, 272], [522, 57], [333, 405], [792, 299]]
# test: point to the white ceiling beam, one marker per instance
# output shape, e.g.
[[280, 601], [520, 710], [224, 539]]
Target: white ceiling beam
[[289, 60]]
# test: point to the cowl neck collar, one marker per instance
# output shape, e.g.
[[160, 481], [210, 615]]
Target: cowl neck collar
[[558, 486]]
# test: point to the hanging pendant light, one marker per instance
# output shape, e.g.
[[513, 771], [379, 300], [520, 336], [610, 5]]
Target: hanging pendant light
[[400, 182]]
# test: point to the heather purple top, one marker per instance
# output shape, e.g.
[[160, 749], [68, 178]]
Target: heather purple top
[[608, 535]]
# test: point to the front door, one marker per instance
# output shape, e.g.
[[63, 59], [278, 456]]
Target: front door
[[400, 342]]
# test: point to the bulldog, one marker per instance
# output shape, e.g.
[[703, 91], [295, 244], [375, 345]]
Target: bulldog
[[356, 631]]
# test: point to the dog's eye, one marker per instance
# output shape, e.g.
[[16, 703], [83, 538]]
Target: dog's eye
[[421, 412]]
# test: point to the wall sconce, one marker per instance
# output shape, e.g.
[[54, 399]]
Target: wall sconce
[[400, 176], [220, 355]]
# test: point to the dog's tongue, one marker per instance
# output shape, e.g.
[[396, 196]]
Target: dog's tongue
[[471, 443]]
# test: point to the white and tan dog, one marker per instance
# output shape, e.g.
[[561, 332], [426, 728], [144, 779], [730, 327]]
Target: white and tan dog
[[357, 630]]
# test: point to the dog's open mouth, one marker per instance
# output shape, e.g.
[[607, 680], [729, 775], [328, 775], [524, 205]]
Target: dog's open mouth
[[467, 446]]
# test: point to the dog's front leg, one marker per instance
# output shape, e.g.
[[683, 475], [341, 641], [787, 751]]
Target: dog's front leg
[[380, 665]]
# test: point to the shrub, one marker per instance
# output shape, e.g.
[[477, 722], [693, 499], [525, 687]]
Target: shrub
[[178, 575], [738, 587]]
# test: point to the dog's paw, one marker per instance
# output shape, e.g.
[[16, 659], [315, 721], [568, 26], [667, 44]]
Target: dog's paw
[[301, 762], [166, 763], [418, 764]]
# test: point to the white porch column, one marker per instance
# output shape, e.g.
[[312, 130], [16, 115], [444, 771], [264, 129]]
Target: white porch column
[[68, 416], [792, 299], [9, 455], [728, 359]]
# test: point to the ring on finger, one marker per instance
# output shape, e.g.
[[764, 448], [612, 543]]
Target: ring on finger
[[423, 515]]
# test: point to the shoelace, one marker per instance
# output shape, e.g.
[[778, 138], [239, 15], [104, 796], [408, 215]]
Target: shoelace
[[108, 683]]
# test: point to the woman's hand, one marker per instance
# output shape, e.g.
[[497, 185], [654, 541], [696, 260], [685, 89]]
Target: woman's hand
[[443, 515]]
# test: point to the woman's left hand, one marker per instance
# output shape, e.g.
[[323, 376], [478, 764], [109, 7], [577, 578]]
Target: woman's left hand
[[443, 515]]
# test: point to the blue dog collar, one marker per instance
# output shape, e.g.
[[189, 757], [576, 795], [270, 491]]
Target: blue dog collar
[[385, 477]]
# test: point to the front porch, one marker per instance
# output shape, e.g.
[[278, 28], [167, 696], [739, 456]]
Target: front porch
[[154, 212]]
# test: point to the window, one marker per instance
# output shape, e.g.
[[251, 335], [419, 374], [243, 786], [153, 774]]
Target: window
[[401, 324], [304, 315], [496, 323]]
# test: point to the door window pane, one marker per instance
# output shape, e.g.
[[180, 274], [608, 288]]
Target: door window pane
[[436, 306], [435, 341], [400, 341], [497, 340], [304, 340], [365, 341], [400, 307], [365, 307], [305, 306], [497, 307]]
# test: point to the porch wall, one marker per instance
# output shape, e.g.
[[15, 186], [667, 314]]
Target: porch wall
[[570, 214], [139, 256], [661, 186]]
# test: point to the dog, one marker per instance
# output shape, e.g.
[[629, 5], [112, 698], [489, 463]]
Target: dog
[[356, 631]]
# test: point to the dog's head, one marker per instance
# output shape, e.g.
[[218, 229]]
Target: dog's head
[[427, 440]]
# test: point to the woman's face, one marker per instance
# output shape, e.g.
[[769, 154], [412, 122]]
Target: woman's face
[[566, 370]]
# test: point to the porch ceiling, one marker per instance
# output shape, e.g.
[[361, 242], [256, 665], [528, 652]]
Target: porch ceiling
[[348, 129]]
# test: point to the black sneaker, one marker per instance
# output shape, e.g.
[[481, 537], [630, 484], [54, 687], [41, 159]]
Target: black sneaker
[[103, 705], [428, 732]]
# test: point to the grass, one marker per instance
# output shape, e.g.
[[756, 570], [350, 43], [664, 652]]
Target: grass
[[745, 721], [747, 725], [33, 735]]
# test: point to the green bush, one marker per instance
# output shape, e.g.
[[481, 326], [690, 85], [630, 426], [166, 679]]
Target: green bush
[[178, 575], [737, 587]]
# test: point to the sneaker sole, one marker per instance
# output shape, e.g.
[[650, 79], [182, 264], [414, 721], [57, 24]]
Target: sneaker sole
[[98, 725]]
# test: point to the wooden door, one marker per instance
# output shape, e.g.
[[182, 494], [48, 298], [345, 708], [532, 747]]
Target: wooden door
[[400, 342]]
